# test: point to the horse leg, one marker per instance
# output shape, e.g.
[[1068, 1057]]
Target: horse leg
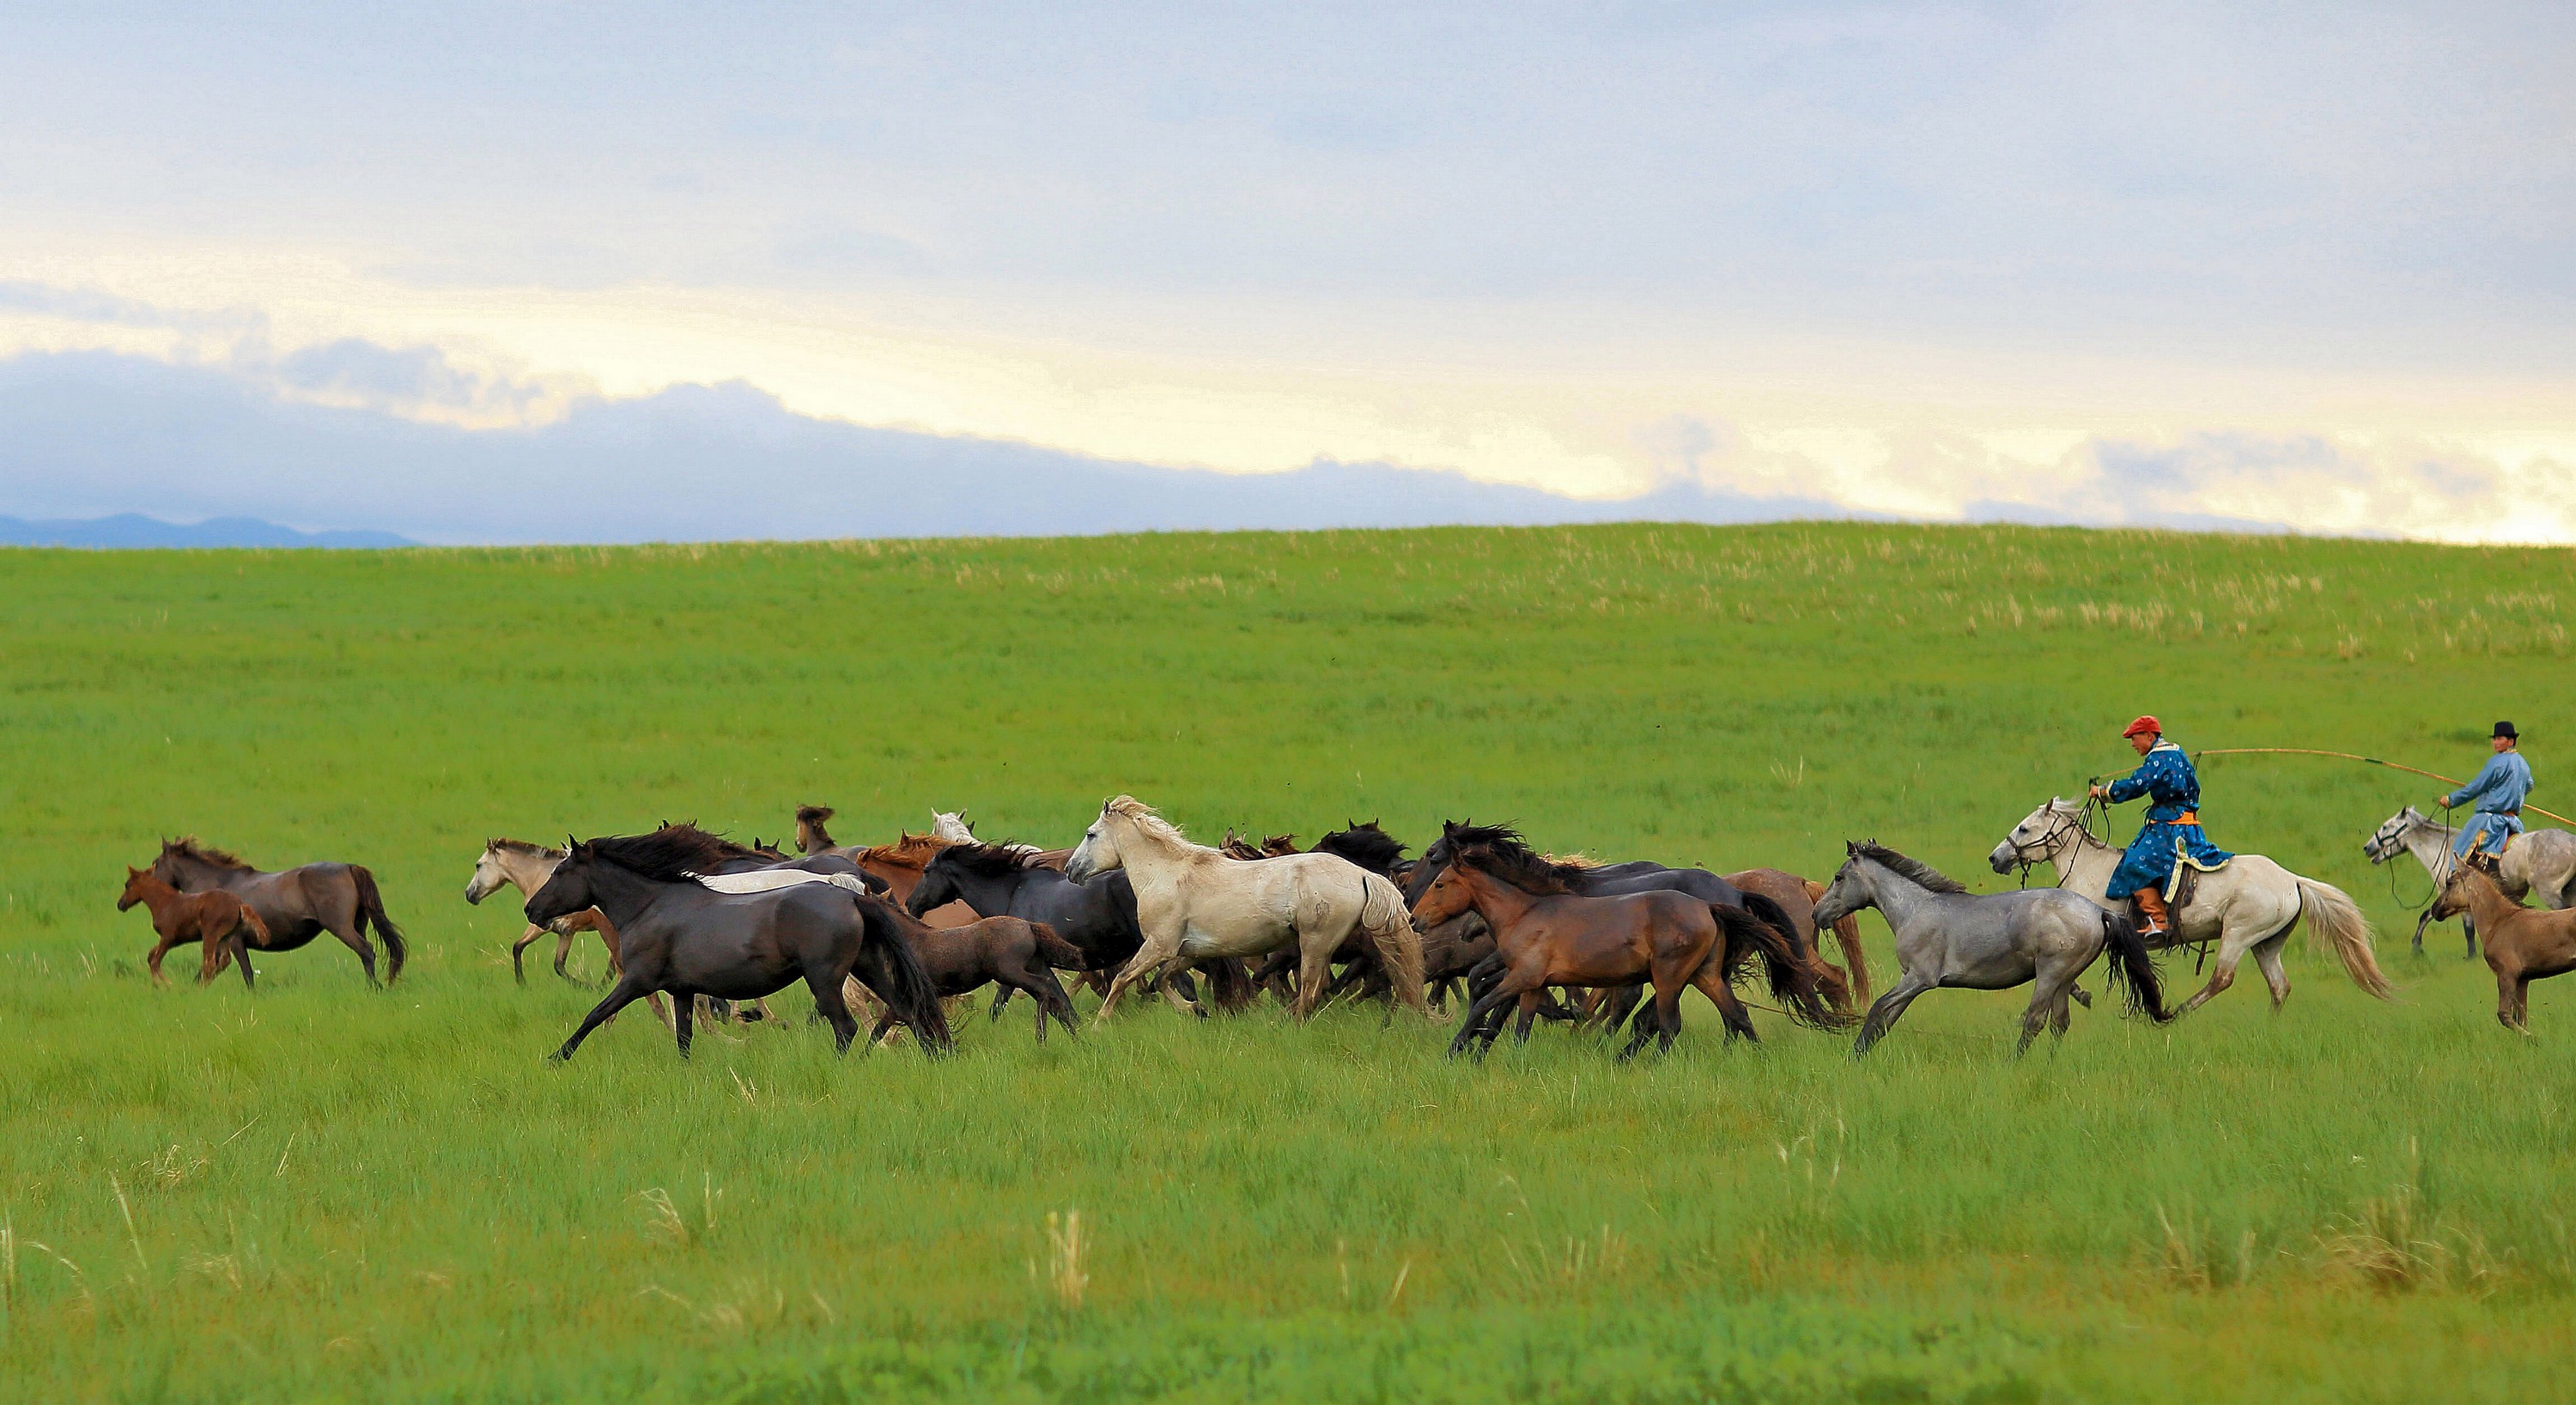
[[154, 960], [1528, 1013], [1668, 1001], [1314, 967], [1730, 1006], [2267, 959], [357, 942], [2469, 930], [833, 1006], [1484, 1006], [620, 995], [1151, 957], [1886, 1010], [2222, 973], [684, 1015], [563, 954], [240, 948], [519, 948]]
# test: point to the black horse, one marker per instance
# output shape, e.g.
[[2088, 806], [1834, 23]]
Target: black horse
[[1604, 881], [675, 935]]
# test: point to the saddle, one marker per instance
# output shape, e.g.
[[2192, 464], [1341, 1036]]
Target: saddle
[[2186, 877]]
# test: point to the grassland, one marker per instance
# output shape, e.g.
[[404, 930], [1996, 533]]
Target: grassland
[[329, 1192]]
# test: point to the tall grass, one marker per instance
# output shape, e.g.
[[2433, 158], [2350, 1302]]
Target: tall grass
[[329, 1191]]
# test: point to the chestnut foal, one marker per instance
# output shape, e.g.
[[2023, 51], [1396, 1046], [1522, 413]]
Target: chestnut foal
[[2522, 944], [217, 919]]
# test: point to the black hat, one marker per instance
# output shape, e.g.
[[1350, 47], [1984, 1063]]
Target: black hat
[[2505, 729]]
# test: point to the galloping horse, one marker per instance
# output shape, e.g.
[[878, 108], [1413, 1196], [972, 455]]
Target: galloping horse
[[1642, 876], [296, 905], [1547, 935], [2522, 944], [2539, 865], [1193, 902], [682, 937], [525, 866], [2249, 906], [218, 919], [1948, 936]]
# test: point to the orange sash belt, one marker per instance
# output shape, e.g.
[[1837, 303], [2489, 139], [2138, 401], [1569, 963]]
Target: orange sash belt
[[2186, 817]]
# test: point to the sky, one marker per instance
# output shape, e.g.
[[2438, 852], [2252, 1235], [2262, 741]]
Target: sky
[[2277, 266]]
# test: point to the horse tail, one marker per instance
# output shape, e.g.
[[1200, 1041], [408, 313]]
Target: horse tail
[[1761, 927], [1847, 935], [1058, 953], [2129, 964], [907, 990], [2335, 921], [1389, 924], [371, 913]]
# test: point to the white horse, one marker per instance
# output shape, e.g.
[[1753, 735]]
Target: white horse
[[2539, 866], [2249, 906], [1193, 903]]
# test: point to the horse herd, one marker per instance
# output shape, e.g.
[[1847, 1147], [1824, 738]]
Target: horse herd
[[897, 931]]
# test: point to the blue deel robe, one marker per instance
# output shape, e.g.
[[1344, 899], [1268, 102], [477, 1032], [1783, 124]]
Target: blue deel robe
[[2165, 778], [2498, 789]]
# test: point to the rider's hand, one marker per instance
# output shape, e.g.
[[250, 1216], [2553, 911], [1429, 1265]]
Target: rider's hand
[[2098, 792], [2444, 802]]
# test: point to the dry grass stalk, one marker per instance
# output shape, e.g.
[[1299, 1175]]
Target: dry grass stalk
[[1065, 1276]]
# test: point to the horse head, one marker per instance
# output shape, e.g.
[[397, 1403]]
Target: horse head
[[1098, 851], [567, 890], [2389, 840], [1443, 898], [133, 888], [488, 874]]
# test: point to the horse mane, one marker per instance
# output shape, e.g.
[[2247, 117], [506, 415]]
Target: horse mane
[[1912, 870], [522, 846], [188, 845], [1366, 845], [989, 860], [1507, 857], [910, 851], [1235, 846], [672, 854], [1506, 841], [1147, 821]]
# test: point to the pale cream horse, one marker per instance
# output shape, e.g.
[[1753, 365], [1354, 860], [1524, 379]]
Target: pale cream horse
[[2246, 907], [1194, 903]]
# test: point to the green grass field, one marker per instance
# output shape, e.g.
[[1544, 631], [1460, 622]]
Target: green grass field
[[329, 1192]]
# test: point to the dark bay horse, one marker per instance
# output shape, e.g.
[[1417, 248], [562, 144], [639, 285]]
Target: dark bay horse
[[677, 936], [296, 905], [1009, 952], [218, 919], [1545, 934]]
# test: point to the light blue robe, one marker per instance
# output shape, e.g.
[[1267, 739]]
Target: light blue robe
[[2497, 789]]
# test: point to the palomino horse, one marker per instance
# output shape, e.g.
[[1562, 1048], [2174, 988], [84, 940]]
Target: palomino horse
[[526, 867], [296, 905], [1193, 903], [2249, 906], [218, 919], [1947, 936], [1547, 935], [2522, 944], [680, 937], [2539, 865]]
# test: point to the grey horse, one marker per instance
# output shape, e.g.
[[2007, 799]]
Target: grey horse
[[1948, 936], [2539, 866]]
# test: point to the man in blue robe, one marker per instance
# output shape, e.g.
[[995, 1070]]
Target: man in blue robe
[[2172, 829], [2498, 790]]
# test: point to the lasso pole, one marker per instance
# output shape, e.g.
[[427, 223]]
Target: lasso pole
[[2353, 756]]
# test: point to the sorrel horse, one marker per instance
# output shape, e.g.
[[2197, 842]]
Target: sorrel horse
[[1194, 903], [1949, 937], [1545, 935], [2522, 944], [684, 939], [218, 919], [296, 905]]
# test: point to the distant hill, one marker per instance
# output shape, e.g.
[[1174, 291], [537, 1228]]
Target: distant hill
[[133, 529]]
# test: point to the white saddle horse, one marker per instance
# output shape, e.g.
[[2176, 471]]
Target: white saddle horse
[[2246, 907], [2539, 865], [1194, 903]]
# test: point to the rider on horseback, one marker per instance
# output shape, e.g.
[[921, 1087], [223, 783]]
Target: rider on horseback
[[2498, 789], [2172, 830]]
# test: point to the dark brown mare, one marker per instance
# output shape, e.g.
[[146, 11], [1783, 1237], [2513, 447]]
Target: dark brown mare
[[677, 936], [2522, 944], [1010, 952], [296, 904], [1545, 934], [220, 920]]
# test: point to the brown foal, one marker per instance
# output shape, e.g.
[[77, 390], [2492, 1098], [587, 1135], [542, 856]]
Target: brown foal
[[2522, 944], [218, 919]]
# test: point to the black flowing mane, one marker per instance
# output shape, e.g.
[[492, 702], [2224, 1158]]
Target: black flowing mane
[[1366, 845], [1914, 870], [187, 846], [987, 860], [1500, 851], [672, 854]]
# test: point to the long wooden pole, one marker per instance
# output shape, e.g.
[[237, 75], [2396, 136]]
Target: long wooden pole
[[2353, 756]]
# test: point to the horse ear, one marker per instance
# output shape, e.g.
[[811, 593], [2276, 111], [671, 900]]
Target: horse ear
[[1851, 848]]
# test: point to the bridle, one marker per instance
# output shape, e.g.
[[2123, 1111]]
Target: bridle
[[2390, 840], [2059, 823]]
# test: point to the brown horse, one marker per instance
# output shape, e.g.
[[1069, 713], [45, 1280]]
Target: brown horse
[[220, 920], [296, 904], [2522, 944], [1847, 988], [1006, 951], [1546, 935]]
